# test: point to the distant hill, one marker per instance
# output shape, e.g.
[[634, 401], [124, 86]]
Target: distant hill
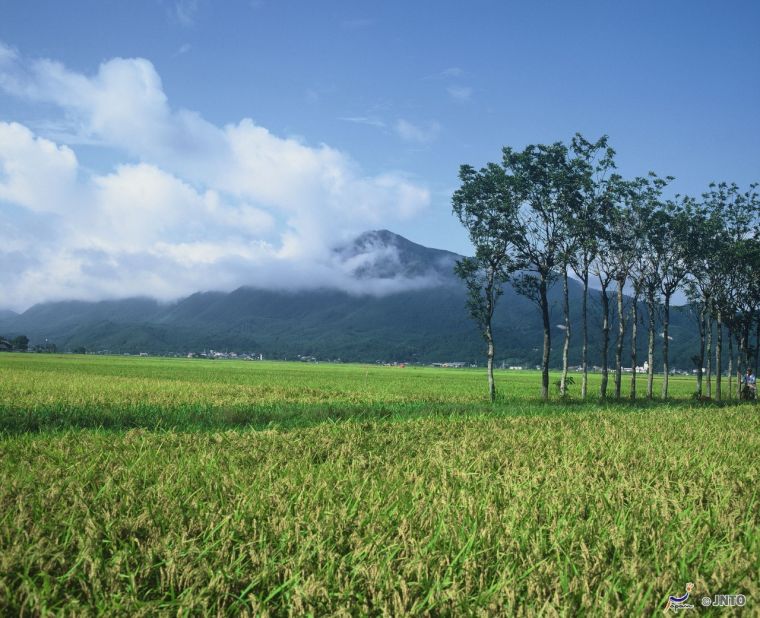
[[427, 324]]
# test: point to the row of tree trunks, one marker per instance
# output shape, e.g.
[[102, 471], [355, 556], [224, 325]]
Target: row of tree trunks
[[704, 360]]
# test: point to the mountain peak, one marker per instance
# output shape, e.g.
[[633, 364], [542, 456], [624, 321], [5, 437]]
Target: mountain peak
[[382, 254]]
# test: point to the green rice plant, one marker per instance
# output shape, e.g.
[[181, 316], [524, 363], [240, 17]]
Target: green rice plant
[[138, 487], [45, 392]]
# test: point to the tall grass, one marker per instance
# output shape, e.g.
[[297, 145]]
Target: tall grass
[[463, 509], [42, 392]]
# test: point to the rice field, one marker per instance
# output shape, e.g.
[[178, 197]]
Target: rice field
[[134, 486]]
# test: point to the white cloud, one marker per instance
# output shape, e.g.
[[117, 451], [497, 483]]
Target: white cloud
[[412, 133], [452, 72], [35, 172], [406, 130], [7, 54], [372, 121], [184, 12], [204, 207], [459, 93]]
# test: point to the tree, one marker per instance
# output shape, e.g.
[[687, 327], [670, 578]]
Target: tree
[[650, 203], [749, 296], [740, 215], [20, 343], [704, 277], [747, 252], [671, 238], [623, 244], [486, 205], [548, 182], [640, 196], [604, 267], [597, 161], [721, 304]]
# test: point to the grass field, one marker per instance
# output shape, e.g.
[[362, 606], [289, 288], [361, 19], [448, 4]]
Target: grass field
[[150, 486]]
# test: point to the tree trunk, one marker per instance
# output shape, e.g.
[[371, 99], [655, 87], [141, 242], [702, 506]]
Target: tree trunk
[[744, 347], [650, 345], [708, 355], [490, 297], [701, 355], [491, 384], [634, 341], [605, 340], [730, 364], [741, 353], [566, 346], [665, 346], [584, 351], [547, 338], [718, 355], [757, 346], [620, 336]]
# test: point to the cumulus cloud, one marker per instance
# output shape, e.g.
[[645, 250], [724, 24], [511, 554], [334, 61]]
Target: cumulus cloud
[[36, 173], [193, 205]]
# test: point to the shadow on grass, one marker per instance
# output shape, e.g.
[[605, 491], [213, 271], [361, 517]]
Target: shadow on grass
[[52, 418]]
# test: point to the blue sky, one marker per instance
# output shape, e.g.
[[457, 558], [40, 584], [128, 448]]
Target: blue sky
[[381, 101]]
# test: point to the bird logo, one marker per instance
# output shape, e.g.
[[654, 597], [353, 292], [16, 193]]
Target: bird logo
[[678, 603]]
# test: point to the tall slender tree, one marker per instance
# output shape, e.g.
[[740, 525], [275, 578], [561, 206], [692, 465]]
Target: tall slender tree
[[640, 201], [704, 274], [604, 267], [747, 298], [734, 296], [550, 182], [720, 200], [598, 163], [651, 204], [486, 206], [671, 241], [624, 244]]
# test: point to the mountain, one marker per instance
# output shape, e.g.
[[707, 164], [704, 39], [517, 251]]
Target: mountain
[[426, 323], [392, 256]]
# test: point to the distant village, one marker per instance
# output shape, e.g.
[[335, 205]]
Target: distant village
[[22, 344]]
